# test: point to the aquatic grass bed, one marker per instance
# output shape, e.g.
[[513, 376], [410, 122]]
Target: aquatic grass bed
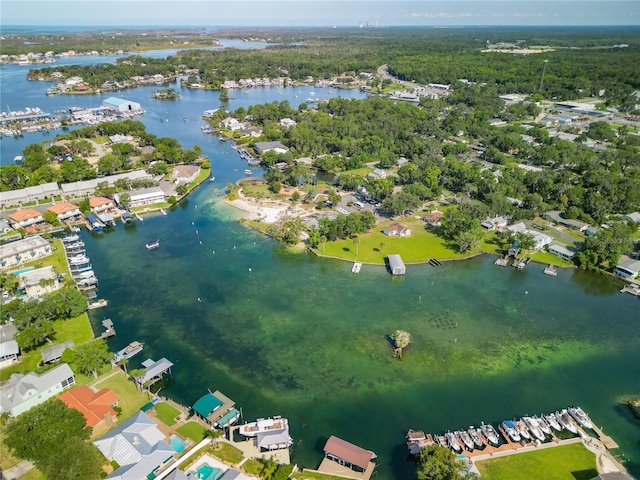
[[567, 462]]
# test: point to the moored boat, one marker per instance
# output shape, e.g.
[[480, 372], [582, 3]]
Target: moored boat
[[552, 420], [252, 429], [511, 429], [523, 430], [490, 434], [452, 442], [152, 245], [98, 304], [475, 436], [581, 417], [356, 267], [533, 427], [465, 438], [129, 351], [212, 179], [566, 422], [70, 238], [248, 172], [416, 441], [79, 260]]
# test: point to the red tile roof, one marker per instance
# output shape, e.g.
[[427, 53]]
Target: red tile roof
[[93, 405], [99, 201], [62, 207], [26, 214]]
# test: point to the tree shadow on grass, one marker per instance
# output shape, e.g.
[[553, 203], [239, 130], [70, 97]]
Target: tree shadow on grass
[[585, 474], [346, 249]]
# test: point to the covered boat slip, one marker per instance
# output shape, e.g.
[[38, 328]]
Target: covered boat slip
[[396, 265], [216, 409], [347, 460]]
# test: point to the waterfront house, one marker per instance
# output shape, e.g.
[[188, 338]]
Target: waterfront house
[[397, 230], [540, 239], [232, 124], [216, 409], [143, 196], [24, 391], [121, 105], [562, 251], [26, 218], [38, 282], [627, 268], [253, 132], [137, 446], [496, 223], [185, 173], [556, 217], [54, 353], [9, 349], [95, 407], [101, 204], [433, 218], [349, 455], [5, 226], [24, 250], [65, 211], [264, 147], [396, 265]]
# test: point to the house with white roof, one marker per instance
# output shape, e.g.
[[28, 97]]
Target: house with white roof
[[540, 239], [9, 349], [23, 392], [38, 282], [25, 250], [138, 446], [627, 268], [143, 196]]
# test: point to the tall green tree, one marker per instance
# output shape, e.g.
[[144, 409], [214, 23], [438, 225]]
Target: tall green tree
[[91, 357], [436, 462]]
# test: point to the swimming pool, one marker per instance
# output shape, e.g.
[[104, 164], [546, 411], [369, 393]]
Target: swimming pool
[[177, 443], [207, 472], [22, 270]]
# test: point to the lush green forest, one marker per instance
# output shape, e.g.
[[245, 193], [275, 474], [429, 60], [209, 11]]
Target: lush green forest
[[583, 61]]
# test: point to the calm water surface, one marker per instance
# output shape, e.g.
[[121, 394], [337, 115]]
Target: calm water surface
[[289, 334]]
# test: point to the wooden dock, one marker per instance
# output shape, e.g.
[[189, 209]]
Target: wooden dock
[[110, 330], [501, 262], [550, 270], [632, 288], [606, 440]]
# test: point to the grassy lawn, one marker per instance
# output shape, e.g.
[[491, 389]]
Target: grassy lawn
[[568, 462], [6, 459], [166, 413], [129, 399], [192, 430], [252, 467], [227, 453], [546, 257], [260, 191], [374, 246]]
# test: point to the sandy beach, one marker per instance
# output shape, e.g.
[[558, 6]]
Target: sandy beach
[[268, 211]]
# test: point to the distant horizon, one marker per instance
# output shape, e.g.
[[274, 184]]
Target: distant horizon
[[318, 13]]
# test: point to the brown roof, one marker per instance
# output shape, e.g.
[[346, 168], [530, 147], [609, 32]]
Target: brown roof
[[433, 216], [62, 207], [185, 170], [349, 452], [396, 227], [26, 214], [93, 405], [99, 201]]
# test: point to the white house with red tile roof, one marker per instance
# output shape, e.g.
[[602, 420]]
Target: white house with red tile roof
[[25, 218], [100, 204], [397, 230], [65, 210]]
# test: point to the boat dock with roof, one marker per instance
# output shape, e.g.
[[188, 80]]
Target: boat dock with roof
[[216, 409]]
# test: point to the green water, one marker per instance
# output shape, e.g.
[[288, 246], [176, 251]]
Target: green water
[[289, 334]]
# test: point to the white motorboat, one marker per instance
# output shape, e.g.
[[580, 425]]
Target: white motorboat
[[534, 428], [475, 436], [152, 245], [581, 417], [263, 425], [552, 420], [523, 430], [465, 438], [511, 429], [452, 442], [129, 351], [98, 304], [566, 422], [490, 434], [79, 260], [543, 425]]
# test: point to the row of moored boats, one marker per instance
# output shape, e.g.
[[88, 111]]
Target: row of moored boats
[[81, 270], [535, 429]]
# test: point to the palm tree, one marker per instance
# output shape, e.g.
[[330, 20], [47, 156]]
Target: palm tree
[[356, 242], [123, 364], [382, 245], [214, 435], [137, 375]]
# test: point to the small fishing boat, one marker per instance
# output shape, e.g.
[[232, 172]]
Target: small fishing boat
[[163, 212], [581, 417], [212, 179], [152, 245], [356, 267], [248, 172]]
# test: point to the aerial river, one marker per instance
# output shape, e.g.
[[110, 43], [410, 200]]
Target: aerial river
[[290, 334]]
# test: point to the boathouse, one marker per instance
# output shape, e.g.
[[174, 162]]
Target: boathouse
[[396, 265], [349, 455], [121, 105], [216, 409], [627, 268], [153, 371]]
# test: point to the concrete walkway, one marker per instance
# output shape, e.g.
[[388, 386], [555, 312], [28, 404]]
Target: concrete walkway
[[16, 472]]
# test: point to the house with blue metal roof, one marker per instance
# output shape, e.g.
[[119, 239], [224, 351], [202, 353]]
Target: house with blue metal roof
[[121, 105]]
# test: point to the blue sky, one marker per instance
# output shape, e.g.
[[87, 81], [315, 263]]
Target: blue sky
[[318, 12]]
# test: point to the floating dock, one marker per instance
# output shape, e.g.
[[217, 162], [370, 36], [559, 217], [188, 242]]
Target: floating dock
[[550, 270], [632, 288], [109, 331]]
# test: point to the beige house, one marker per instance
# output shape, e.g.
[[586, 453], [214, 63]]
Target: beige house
[[65, 211], [21, 251], [38, 282], [185, 173], [25, 218]]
